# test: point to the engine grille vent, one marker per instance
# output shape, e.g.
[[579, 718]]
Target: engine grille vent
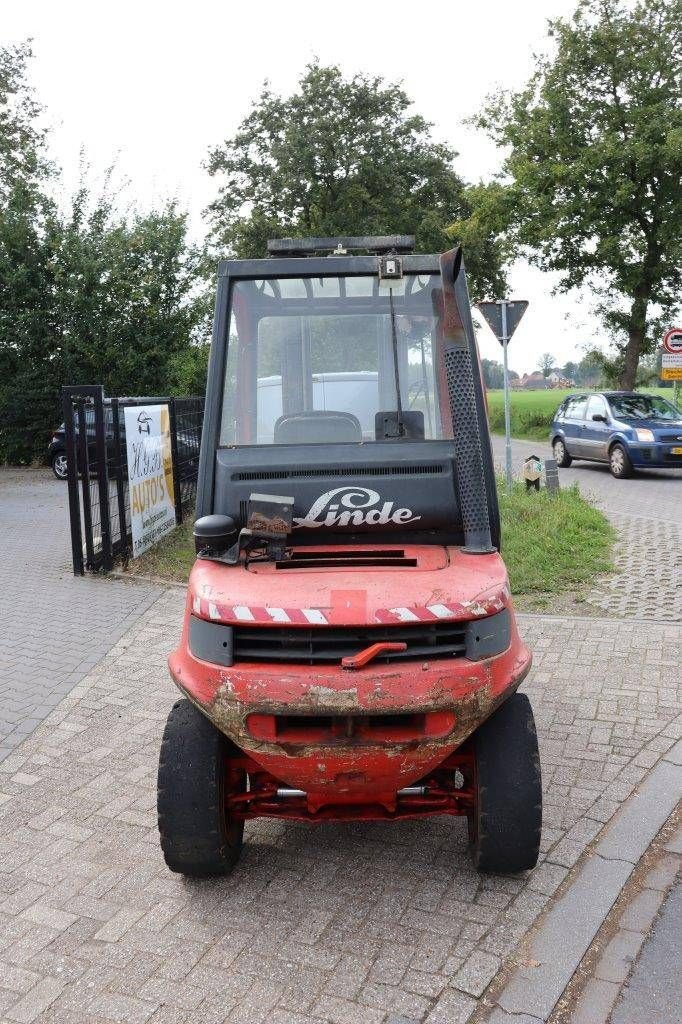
[[308, 473], [329, 645]]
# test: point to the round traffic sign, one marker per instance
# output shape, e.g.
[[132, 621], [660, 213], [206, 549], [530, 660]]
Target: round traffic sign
[[672, 340]]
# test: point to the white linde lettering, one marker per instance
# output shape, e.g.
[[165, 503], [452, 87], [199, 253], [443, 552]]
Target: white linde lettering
[[345, 506]]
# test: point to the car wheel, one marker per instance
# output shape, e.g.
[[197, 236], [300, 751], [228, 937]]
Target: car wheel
[[199, 836], [60, 465], [506, 814], [563, 459], [619, 462]]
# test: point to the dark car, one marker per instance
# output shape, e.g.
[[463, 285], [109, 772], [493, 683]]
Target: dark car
[[188, 442], [56, 453], [627, 429]]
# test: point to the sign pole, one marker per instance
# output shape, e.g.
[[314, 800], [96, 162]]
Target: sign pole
[[507, 410]]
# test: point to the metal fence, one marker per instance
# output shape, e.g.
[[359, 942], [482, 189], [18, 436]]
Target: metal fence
[[99, 496]]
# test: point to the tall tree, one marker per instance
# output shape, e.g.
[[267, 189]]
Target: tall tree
[[342, 156], [86, 296], [22, 140], [546, 363], [591, 182], [493, 374]]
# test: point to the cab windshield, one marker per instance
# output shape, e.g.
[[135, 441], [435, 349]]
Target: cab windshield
[[315, 361]]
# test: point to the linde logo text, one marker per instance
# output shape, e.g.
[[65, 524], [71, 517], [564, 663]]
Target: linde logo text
[[353, 506]]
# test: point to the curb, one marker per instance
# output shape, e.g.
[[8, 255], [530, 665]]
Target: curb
[[570, 926]]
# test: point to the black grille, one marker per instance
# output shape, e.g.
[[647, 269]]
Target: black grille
[[308, 472], [329, 645], [672, 437]]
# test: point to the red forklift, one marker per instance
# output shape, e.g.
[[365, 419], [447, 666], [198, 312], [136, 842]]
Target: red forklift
[[349, 648]]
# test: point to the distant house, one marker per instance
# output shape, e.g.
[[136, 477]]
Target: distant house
[[535, 381]]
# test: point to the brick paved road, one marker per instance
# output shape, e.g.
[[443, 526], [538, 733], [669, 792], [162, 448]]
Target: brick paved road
[[365, 924], [646, 512], [55, 627]]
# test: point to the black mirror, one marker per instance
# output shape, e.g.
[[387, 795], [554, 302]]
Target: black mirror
[[599, 417]]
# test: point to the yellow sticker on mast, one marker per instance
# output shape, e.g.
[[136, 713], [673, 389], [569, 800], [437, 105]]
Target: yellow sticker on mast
[[150, 474]]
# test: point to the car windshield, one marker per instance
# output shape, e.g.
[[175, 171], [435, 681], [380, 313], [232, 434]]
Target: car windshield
[[643, 407], [313, 361]]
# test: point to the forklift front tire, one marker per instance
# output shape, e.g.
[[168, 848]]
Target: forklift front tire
[[197, 837], [506, 820]]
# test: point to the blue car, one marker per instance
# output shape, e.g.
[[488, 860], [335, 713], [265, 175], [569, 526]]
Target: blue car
[[626, 429]]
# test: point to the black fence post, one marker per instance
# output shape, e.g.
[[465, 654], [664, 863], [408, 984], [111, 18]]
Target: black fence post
[[84, 472], [117, 467], [72, 483], [173, 423], [103, 479]]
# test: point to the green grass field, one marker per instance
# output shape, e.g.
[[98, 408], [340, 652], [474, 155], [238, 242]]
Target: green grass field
[[532, 411]]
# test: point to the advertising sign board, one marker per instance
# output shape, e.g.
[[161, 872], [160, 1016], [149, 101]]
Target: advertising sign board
[[150, 474]]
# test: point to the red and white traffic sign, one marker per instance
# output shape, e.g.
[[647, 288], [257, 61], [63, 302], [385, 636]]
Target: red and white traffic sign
[[671, 357], [672, 340]]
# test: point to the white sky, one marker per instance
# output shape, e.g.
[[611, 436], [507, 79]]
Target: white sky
[[157, 84]]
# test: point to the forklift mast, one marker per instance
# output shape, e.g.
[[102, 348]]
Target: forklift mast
[[344, 373]]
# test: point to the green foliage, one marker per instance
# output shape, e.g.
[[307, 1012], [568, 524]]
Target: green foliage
[[22, 157], [342, 156], [86, 296], [493, 373], [188, 369], [546, 364], [552, 543], [591, 182]]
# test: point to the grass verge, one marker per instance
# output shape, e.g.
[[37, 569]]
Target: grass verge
[[172, 558], [552, 544]]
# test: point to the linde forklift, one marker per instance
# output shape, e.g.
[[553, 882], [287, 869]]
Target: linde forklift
[[349, 648]]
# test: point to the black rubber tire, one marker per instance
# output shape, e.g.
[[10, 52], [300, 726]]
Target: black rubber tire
[[505, 826], [619, 462], [196, 837], [562, 460]]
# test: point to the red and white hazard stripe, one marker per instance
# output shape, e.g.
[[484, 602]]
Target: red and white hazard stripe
[[248, 614], [440, 612]]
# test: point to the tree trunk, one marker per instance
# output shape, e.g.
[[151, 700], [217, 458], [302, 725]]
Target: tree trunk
[[636, 336]]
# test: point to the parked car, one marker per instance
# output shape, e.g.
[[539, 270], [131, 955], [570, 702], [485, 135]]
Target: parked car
[[188, 449], [56, 450], [56, 453], [627, 429]]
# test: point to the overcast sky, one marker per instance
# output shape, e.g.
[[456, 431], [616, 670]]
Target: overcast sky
[[159, 83]]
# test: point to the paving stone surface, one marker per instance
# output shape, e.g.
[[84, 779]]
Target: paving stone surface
[[367, 923], [54, 627], [645, 510]]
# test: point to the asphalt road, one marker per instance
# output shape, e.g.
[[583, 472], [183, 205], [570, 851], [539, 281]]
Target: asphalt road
[[652, 493], [653, 993]]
